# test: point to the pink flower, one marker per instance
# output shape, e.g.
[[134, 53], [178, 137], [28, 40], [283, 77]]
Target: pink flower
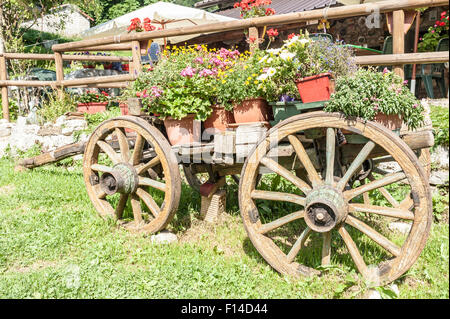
[[188, 71], [205, 72], [199, 60], [385, 70], [414, 106], [405, 82], [155, 91]]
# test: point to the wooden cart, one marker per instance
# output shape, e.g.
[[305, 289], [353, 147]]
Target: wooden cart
[[303, 185]]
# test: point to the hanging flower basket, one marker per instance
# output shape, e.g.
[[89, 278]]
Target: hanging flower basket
[[315, 88]]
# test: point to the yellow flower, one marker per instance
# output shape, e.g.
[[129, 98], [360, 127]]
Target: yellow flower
[[223, 81], [249, 78], [254, 74], [256, 82], [247, 83]]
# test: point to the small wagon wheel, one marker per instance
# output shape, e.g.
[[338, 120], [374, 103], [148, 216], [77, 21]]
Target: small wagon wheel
[[328, 212], [131, 174]]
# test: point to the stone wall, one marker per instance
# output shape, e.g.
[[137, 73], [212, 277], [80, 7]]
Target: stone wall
[[21, 136]]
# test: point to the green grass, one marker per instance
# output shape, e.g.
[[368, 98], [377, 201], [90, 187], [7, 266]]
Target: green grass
[[440, 119], [54, 245]]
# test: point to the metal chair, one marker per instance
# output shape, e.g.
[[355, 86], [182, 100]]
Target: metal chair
[[437, 72]]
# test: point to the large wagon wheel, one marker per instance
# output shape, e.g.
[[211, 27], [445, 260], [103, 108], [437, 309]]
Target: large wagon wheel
[[329, 212], [131, 174]]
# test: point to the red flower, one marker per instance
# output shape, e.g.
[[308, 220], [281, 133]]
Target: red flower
[[237, 5], [272, 32], [270, 11], [252, 39], [290, 36]]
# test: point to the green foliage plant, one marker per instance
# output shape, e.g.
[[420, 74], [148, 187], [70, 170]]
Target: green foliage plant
[[368, 92]]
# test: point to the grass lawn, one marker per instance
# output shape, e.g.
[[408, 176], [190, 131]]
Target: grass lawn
[[54, 245]]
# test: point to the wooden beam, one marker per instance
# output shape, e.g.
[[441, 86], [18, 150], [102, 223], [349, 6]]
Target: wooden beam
[[405, 58], [398, 38], [101, 85], [99, 79], [67, 57], [125, 46], [28, 83], [59, 73], [4, 77], [332, 13]]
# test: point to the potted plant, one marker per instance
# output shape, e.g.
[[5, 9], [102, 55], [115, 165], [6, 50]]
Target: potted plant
[[379, 96], [309, 64], [245, 90], [93, 102]]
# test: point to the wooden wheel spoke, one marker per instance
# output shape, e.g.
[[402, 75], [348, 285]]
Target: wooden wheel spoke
[[144, 167], [374, 235], [137, 209], [123, 144], [384, 181], [389, 197], [326, 249], [280, 170], [354, 252], [407, 203], [137, 151], [357, 162], [108, 150], [330, 149], [99, 192], [145, 181], [265, 228], [306, 161], [121, 205], [380, 210], [149, 201], [101, 168], [299, 243], [366, 197], [278, 196]]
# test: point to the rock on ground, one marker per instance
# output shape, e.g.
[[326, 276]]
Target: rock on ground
[[401, 227], [164, 237]]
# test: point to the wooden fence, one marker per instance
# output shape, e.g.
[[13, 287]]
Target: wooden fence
[[131, 42]]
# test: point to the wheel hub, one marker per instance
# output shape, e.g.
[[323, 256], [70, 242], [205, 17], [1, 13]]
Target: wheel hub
[[325, 209], [122, 179]]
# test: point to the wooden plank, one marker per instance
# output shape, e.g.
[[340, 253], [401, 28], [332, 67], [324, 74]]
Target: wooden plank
[[253, 35], [99, 79], [296, 17]]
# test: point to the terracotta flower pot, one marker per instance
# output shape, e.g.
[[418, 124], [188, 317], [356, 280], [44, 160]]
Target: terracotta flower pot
[[123, 108], [92, 107], [107, 66], [184, 131], [315, 88], [391, 122], [252, 110], [219, 119]]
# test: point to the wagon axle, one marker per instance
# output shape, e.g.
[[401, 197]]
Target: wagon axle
[[325, 209], [122, 179]]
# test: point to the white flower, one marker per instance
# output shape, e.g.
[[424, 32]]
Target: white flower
[[274, 51], [271, 71], [262, 77], [269, 60], [263, 59], [286, 56], [304, 41]]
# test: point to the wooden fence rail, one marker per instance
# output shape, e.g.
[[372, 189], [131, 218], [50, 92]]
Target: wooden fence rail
[[127, 42]]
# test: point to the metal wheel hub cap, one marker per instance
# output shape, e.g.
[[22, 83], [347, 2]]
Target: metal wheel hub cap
[[122, 179], [325, 209]]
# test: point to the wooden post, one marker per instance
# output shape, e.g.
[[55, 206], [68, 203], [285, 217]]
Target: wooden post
[[398, 38], [136, 66], [4, 76], [59, 73], [253, 35]]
